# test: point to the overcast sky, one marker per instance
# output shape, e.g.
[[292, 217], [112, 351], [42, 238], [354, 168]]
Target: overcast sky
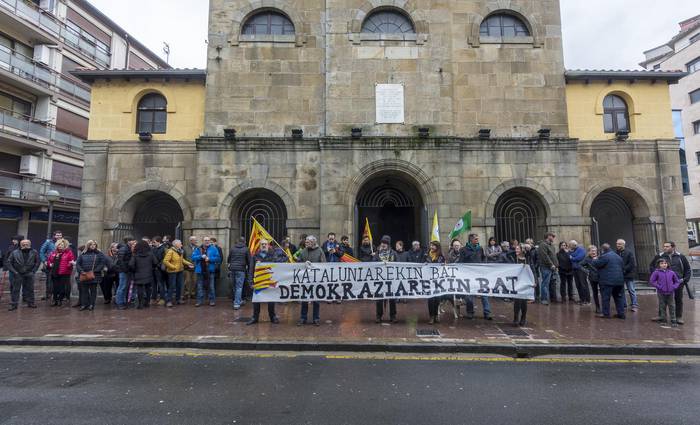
[[598, 34]]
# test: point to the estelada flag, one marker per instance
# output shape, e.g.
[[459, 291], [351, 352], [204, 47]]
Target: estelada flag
[[347, 258], [367, 233], [257, 233]]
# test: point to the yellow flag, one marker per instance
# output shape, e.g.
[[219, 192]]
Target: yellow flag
[[367, 233], [257, 233], [435, 236]]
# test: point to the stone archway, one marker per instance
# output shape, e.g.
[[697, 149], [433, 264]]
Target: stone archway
[[266, 207], [152, 212], [520, 213]]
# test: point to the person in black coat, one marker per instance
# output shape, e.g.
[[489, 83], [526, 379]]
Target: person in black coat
[[240, 269], [345, 246], [416, 254], [142, 264], [435, 257], [566, 272], [266, 254], [630, 270], [23, 263], [612, 281], [592, 274], [365, 251], [473, 253], [91, 260], [680, 265]]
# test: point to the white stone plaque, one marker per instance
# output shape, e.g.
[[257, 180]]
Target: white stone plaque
[[390, 103]]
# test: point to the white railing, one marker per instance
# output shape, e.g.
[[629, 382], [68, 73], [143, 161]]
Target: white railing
[[22, 126]]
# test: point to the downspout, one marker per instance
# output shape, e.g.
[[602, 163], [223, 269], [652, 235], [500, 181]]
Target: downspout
[[128, 49], [325, 70]]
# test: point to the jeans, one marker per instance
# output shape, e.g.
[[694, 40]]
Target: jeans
[[667, 301], [25, 282], [88, 295], [546, 274], [175, 282], [632, 289], [161, 284], [60, 285], [617, 293], [305, 311], [485, 304], [200, 288], [567, 286], [122, 289], [238, 282]]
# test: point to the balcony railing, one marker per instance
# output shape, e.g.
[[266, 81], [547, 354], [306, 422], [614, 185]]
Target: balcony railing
[[34, 15], [22, 126], [56, 28], [20, 187], [34, 71]]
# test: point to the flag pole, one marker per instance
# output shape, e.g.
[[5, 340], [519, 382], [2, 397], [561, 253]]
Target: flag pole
[[271, 238]]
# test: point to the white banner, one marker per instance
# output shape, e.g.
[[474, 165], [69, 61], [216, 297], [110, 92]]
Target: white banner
[[284, 282]]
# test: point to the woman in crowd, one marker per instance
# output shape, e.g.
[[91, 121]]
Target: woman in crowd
[[566, 272], [592, 273], [142, 264], [493, 251], [111, 275], [61, 263], [175, 263], [90, 266], [435, 257], [519, 305]]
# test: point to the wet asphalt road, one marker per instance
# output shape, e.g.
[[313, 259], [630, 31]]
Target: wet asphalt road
[[138, 387]]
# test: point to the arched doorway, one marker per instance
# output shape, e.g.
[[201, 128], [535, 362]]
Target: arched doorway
[[394, 206], [152, 213], [621, 213], [267, 208], [520, 213]]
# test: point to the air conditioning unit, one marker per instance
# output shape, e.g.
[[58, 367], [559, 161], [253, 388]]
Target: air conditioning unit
[[42, 54], [29, 165]]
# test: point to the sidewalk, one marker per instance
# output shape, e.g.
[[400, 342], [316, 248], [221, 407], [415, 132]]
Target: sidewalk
[[554, 329]]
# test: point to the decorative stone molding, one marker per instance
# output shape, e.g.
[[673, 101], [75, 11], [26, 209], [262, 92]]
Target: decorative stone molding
[[150, 185], [634, 194], [548, 199], [250, 8], [406, 7], [226, 208]]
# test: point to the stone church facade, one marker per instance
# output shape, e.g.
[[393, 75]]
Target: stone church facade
[[297, 82]]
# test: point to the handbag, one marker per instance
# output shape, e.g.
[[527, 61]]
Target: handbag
[[89, 276]]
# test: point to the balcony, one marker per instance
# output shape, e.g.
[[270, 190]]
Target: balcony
[[43, 135], [24, 17], [21, 189], [38, 78]]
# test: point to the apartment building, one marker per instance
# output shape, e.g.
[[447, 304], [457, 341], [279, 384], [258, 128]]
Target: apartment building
[[682, 53], [44, 110]]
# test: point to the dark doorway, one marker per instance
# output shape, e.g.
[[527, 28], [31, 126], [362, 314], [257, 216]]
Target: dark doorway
[[267, 208], [156, 214], [520, 214], [394, 207]]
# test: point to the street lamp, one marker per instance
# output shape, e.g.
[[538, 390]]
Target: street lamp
[[51, 196]]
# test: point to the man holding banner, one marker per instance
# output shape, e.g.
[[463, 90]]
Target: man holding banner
[[311, 254], [386, 255], [473, 253], [266, 254]]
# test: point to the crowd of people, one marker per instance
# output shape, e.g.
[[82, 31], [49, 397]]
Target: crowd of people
[[165, 272]]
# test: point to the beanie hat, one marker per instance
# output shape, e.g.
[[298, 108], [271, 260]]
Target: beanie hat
[[386, 239]]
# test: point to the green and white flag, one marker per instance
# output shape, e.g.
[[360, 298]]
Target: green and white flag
[[464, 224]]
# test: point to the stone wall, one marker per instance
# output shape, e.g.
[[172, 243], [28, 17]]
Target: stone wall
[[323, 79]]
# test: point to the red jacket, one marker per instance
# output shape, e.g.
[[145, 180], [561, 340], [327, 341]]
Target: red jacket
[[65, 268]]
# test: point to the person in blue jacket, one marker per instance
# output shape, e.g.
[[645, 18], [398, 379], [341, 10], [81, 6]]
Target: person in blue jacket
[[611, 275], [578, 254], [206, 261]]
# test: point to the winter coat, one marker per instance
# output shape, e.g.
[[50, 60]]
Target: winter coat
[[123, 256], [214, 258], [676, 262], [452, 256], [92, 261], [23, 263], [189, 250], [665, 281], [159, 252], [65, 268], [401, 257], [314, 255], [610, 269], [439, 260], [577, 257], [347, 249], [273, 255], [142, 265], [547, 255], [365, 253], [565, 265], [239, 258], [46, 249], [471, 254], [493, 254], [174, 261], [590, 270], [416, 256], [332, 257], [629, 264]]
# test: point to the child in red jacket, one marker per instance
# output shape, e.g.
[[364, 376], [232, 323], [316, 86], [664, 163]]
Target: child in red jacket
[[666, 282]]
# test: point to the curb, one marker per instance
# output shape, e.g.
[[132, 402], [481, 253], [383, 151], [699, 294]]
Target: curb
[[514, 350]]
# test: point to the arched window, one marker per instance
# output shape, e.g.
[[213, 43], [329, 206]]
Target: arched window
[[268, 22], [615, 114], [388, 21], [504, 25], [152, 114]]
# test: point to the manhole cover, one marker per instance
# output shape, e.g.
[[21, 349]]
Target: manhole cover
[[514, 332], [427, 332], [242, 319]]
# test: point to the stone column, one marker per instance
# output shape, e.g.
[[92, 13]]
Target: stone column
[[93, 195], [670, 185]]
